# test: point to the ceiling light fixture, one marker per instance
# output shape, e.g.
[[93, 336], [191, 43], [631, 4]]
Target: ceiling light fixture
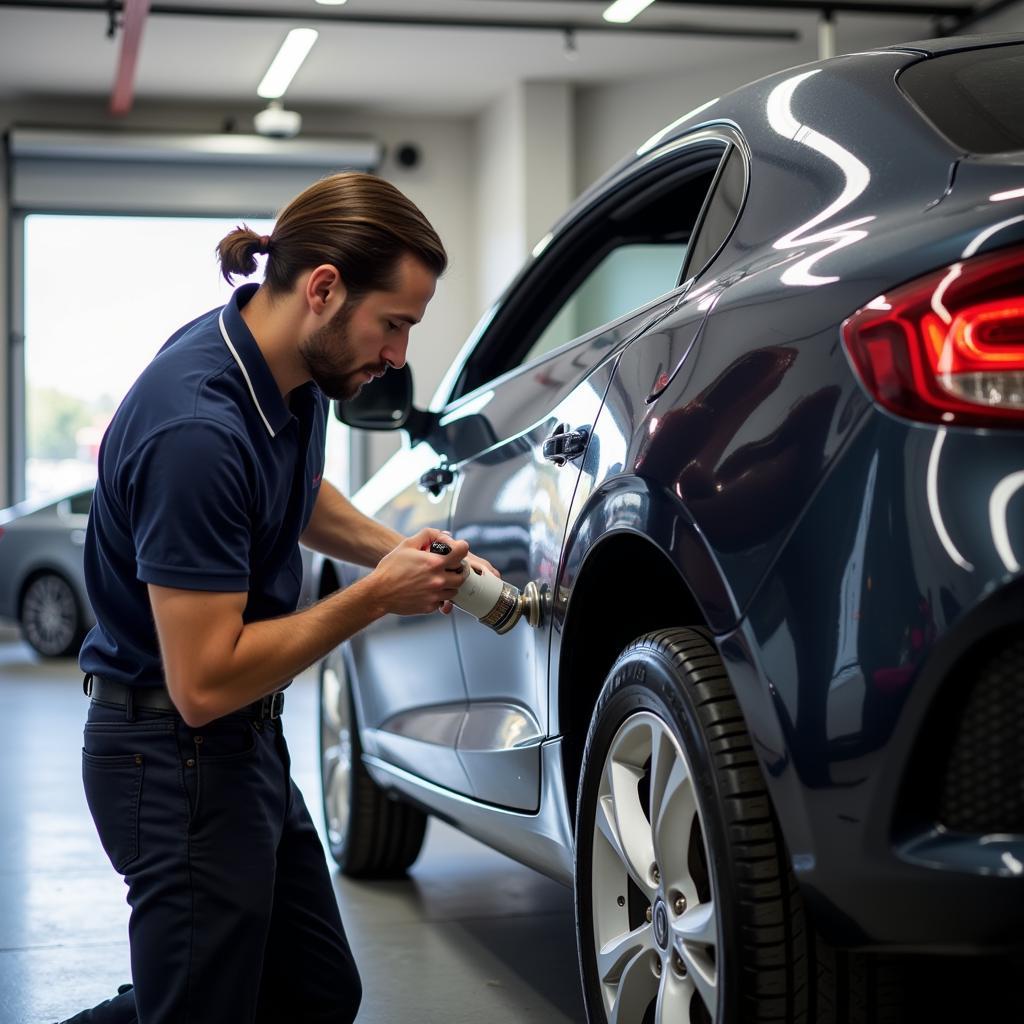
[[623, 11], [332, 3], [293, 52]]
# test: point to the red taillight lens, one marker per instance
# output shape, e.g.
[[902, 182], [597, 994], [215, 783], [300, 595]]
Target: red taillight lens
[[948, 348]]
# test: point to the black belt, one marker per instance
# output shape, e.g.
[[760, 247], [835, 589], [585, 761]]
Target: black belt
[[156, 698]]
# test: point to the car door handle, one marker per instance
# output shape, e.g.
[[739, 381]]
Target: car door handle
[[437, 479], [565, 444]]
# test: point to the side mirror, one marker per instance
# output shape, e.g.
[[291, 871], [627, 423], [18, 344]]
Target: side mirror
[[383, 404]]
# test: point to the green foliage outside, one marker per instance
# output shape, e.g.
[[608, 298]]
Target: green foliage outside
[[53, 420]]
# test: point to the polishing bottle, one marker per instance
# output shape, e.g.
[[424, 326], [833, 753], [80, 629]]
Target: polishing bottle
[[494, 602]]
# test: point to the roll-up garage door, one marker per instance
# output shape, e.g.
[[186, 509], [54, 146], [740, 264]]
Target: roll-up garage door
[[163, 173]]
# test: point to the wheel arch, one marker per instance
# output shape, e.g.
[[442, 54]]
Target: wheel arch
[[630, 531], [598, 627], [329, 581]]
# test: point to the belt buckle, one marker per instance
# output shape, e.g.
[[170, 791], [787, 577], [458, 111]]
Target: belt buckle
[[276, 704]]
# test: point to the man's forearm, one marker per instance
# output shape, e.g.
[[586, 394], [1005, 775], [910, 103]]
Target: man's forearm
[[338, 529], [267, 654]]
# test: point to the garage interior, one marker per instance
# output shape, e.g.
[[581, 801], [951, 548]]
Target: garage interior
[[134, 137]]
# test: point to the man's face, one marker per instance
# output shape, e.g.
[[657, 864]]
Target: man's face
[[363, 339]]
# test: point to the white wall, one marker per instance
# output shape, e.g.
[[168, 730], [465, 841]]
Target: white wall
[[499, 194], [613, 120], [525, 166], [550, 156], [4, 338]]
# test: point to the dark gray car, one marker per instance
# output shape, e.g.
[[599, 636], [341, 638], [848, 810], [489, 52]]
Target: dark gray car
[[42, 585], [752, 421]]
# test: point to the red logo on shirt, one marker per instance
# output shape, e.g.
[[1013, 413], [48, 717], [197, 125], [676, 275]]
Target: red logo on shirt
[[317, 479]]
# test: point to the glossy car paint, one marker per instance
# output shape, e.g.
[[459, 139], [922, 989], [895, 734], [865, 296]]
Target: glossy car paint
[[842, 557]]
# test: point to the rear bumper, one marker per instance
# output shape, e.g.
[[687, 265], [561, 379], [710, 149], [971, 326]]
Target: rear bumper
[[853, 665]]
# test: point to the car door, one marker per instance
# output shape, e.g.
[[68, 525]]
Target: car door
[[615, 276], [410, 696]]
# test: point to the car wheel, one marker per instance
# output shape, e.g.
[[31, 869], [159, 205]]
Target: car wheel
[[370, 834], [686, 910], [49, 616]]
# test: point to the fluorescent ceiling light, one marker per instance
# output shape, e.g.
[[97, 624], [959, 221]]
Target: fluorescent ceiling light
[[625, 10], [294, 49], [331, 3]]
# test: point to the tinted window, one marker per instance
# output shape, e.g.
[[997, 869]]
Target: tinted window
[[625, 279], [81, 503], [976, 99], [623, 252], [723, 207]]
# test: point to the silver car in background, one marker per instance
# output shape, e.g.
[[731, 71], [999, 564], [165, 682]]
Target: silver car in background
[[42, 582], [42, 578]]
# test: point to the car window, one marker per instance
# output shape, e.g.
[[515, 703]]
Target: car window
[[975, 98], [81, 503], [626, 278], [620, 252], [719, 215]]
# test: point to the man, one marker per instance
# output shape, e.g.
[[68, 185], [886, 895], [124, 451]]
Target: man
[[209, 475]]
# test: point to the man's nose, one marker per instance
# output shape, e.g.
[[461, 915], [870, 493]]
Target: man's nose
[[394, 354]]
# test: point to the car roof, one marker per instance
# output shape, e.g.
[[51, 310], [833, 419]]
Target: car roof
[[727, 107], [957, 44], [28, 508]]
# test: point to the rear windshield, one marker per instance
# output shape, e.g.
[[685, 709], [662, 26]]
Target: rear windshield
[[975, 98]]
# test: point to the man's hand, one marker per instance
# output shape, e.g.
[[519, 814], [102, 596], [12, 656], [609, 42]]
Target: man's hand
[[475, 563], [412, 581], [481, 565]]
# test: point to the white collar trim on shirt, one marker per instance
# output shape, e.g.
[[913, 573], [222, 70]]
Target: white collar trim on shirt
[[245, 372]]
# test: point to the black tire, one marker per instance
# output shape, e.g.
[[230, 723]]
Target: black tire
[[736, 863], [378, 836], [50, 617]]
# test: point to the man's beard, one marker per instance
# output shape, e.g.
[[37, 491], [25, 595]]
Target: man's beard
[[329, 358]]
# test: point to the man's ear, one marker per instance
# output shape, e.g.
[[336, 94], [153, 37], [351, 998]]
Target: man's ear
[[325, 290]]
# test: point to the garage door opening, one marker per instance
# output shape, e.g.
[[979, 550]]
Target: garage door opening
[[101, 296]]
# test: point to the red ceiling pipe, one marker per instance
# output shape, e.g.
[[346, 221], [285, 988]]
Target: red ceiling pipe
[[134, 21]]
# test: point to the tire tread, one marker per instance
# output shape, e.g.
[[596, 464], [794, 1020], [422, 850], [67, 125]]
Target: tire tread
[[385, 835]]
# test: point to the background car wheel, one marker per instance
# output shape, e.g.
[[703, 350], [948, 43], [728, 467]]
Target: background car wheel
[[49, 616], [370, 834]]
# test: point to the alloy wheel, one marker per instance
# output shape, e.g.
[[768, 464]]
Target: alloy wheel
[[49, 615], [336, 747], [655, 920]]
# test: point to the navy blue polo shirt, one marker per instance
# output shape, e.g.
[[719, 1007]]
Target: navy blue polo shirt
[[207, 478]]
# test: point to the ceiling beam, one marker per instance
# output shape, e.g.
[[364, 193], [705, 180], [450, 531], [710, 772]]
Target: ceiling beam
[[132, 24], [924, 10], [324, 15]]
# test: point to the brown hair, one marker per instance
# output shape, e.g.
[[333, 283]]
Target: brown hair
[[356, 222]]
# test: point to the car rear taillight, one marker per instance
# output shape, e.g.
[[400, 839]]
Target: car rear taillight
[[949, 347]]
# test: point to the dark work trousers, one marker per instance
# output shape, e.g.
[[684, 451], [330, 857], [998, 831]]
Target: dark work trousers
[[234, 918]]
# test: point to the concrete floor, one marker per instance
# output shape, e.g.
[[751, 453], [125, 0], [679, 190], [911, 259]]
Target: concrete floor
[[471, 936]]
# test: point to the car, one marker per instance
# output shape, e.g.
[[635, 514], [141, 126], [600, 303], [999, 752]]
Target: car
[[751, 421], [42, 577], [42, 581]]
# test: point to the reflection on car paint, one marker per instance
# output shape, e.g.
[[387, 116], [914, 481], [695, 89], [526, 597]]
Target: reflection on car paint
[[856, 178]]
